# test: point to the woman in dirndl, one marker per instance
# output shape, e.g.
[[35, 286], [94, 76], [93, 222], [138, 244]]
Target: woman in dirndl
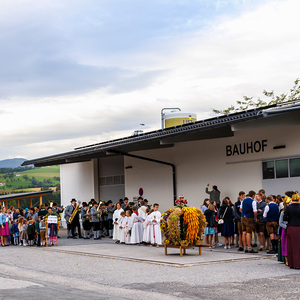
[[4, 227]]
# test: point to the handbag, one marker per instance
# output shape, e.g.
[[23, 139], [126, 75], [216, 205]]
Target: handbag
[[221, 221]]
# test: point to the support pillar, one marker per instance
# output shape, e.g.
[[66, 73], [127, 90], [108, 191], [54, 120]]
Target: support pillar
[[41, 200], [30, 202], [18, 203]]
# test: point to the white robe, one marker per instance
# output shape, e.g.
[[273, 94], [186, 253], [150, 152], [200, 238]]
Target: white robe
[[137, 230], [146, 226], [128, 227], [122, 225], [116, 217], [155, 232]]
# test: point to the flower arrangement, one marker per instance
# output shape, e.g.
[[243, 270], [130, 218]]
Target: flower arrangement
[[181, 201], [182, 224]]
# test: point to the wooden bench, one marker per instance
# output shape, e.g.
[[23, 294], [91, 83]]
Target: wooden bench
[[183, 248]]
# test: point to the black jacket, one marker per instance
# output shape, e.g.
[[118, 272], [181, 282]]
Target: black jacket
[[292, 214], [210, 218]]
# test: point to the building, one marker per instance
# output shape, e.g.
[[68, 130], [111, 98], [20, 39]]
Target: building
[[258, 148]]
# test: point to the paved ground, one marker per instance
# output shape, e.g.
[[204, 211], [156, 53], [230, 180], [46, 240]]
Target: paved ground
[[88, 269]]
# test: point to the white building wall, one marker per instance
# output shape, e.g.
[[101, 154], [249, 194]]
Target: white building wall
[[79, 181], [201, 162]]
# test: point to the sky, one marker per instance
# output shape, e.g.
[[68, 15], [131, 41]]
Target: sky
[[74, 73]]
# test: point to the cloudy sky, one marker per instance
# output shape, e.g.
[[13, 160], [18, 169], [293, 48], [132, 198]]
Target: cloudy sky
[[78, 72]]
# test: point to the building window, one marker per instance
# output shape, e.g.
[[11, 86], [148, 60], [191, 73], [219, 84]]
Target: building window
[[295, 167], [281, 168], [268, 170]]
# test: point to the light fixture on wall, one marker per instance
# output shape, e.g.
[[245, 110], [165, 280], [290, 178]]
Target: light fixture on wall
[[128, 167]]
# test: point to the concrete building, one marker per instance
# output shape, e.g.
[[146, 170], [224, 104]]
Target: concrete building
[[254, 149]]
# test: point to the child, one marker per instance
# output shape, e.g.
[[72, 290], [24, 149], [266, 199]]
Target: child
[[128, 226], [137, 227], [31, 232], [52, 228], [155, 232], [24, 236], [42, 226], [146, 226], [122, 225], [15, 232], [20, 227], [210, 219]]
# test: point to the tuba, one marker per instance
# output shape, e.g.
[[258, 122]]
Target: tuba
[[75, 211], [99, 210]]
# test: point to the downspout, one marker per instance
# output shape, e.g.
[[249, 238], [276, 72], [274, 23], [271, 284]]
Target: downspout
[[155, 161]]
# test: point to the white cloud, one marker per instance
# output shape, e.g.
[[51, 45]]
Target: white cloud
[[209, 64]]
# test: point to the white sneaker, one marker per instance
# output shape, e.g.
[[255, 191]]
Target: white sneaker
[[219, 244], [228, 247], [225, 247]]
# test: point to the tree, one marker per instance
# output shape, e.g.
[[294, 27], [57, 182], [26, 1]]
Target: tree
[[249, 102]]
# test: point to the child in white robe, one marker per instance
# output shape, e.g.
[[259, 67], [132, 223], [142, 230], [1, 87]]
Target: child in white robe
[[128, 226], [116, 217], [136, 227], [146, 226], [155, 232], [122, 225]]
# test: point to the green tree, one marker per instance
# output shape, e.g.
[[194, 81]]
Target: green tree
[[249, 102]]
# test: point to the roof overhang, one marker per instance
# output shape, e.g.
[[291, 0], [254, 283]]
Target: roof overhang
[[213, 128]]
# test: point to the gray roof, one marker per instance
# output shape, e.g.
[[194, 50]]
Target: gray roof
[[25, 195], [206, 129]]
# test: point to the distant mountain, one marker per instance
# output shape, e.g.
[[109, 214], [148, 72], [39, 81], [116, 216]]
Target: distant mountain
[[11, 163]]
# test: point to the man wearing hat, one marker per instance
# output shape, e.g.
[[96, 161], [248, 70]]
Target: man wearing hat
[[75, 223], [110, 212], [96, 221]]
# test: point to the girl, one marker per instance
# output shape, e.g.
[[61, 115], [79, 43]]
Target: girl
[[20, 227], [226, 213], [136, 227], [282, 233], [4, 227], [210, 219], [24, 236]]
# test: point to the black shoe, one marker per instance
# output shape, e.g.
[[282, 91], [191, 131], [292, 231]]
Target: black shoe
[[254, 245], [68, 237], [74, 237], [58, 237], [110, 237], [81, 237], [253, 251], [271, 252], [246, 251], [241, 249]]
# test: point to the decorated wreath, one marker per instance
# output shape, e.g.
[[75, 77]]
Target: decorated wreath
[[182, 225]]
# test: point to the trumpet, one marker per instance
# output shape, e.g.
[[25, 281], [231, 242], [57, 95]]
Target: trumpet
[[51, 204]]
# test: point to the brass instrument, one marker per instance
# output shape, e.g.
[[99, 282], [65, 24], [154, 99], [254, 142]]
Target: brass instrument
[[99, 209], [75, 211], [89, 218], [51, 204]]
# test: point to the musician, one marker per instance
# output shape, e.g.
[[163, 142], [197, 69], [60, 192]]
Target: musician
[[85, 220], [110, 212], [71, 227], [102, 219], [125, 204], [96, 221]]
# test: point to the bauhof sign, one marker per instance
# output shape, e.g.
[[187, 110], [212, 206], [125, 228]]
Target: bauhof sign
[[246, 148]]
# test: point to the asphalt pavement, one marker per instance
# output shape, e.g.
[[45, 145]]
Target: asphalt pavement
[[88, 269]]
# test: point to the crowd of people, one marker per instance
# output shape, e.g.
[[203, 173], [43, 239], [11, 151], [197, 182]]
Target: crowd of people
[[255, 222], [125, 222], [28, 227]]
